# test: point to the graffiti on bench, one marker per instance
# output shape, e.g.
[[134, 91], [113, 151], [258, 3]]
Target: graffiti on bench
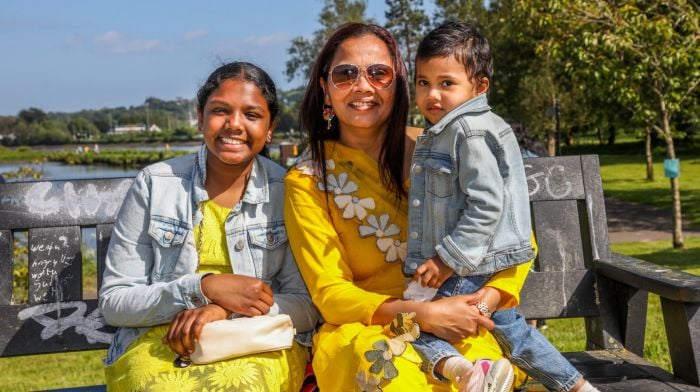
[[89, 325]]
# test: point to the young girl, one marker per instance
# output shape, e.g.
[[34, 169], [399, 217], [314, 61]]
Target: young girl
[[200, 238]]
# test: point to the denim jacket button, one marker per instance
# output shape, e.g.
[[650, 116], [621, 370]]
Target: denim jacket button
[[425, 141], [413, 265], [416, 203], [414, 235], [270, 238], [168, 236], [239, 245], [418, 169], [196, 300]]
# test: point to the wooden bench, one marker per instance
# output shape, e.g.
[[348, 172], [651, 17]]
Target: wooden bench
[[577, 276]]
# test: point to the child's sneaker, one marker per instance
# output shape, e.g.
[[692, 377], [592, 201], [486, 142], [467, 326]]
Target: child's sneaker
[[487, 376]]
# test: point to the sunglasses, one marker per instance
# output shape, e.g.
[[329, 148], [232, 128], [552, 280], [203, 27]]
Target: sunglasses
[[343, 76]]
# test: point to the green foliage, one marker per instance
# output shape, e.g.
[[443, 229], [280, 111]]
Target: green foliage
[[23, 173], [19, 154], [303, 51], [114, 157]]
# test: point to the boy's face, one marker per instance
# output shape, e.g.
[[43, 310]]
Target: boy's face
[[442, 84]]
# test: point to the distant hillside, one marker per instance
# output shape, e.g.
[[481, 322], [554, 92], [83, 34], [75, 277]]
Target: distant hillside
[[175, 118]]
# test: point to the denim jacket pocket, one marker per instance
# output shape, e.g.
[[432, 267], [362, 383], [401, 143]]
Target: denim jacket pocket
[[166, 232], [267, 247], [438, 178], [268, 237]]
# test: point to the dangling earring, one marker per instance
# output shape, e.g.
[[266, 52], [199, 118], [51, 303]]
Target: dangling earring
[[328, 115]]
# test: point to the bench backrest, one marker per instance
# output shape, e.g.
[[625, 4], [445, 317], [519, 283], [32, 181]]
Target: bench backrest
[[57, 317], [568, 212], [567, 208]]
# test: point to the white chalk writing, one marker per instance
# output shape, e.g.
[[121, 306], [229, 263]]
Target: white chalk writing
[[83, 202], [84, 325], [551, 175]]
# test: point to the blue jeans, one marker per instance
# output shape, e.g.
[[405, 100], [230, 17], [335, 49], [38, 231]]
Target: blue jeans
[[524, 345]]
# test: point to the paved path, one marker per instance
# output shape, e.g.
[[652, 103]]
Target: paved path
[[639, 222]]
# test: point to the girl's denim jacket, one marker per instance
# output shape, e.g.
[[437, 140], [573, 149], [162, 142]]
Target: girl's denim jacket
[[151, 265], [468, 201]]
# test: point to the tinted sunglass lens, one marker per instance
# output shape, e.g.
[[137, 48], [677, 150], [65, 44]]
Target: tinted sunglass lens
[[344, 75], [380, 75]]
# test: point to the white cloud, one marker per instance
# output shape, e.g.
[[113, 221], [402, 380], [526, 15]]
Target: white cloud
[[195, 34], [265, 40], [118, 42]]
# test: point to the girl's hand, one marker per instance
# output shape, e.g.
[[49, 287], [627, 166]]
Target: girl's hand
[[187, 326], [238, 294], [433, 273], [454, 318]]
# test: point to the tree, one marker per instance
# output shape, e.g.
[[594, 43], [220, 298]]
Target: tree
[[303, 51], [82, 128], [641, 54], [32, 115], [407, 22], [471, 11]]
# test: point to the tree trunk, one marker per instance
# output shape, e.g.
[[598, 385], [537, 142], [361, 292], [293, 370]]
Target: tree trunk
[[612, 133], [552, 131], [551, 142], [600, 136], [678, 242], [647, 152]]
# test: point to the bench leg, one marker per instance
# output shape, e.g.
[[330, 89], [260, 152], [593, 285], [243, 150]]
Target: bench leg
[[683, 332], [623, 318]]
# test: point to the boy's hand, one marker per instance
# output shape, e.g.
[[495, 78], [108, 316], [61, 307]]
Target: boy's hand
[[433, 273]]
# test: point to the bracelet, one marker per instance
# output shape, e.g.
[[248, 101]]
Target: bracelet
[[484, 309]]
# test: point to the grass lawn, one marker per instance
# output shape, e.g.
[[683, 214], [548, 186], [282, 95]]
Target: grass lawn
[[624, 178]]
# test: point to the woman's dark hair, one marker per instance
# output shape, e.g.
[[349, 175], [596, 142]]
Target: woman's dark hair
[[462, 41], [311, 113], [243, 71]]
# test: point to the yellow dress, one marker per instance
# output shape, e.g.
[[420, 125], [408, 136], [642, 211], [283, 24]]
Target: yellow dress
[[147, 365], [349, 240]]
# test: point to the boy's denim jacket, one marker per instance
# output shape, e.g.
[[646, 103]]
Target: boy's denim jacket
[[151, 265], [468, 201]]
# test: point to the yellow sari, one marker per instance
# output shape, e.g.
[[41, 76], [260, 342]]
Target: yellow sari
[[349, 240]]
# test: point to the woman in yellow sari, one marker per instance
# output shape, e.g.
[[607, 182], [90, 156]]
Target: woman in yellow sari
[[346, 216]]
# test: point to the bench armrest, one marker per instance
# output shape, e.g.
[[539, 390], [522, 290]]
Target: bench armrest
[[680, 305], [666, 282]]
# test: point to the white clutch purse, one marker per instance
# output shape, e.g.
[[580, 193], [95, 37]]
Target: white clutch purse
[[225, 339]]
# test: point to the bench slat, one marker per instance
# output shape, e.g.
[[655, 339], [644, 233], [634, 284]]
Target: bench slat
[[52, 327], [558, 294], [6, 266], [558, 235], [55, 265], [26, 205], [103, 233]]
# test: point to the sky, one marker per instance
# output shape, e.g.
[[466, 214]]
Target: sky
[[64, 56]]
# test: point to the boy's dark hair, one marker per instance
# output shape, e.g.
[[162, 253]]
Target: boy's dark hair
[[462, 41]]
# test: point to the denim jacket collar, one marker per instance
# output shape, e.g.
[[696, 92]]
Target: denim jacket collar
[[475, 105], [257, 192]]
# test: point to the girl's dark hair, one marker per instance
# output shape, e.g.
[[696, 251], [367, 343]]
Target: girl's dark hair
[[243, 71], [311, 113], [462, 41]]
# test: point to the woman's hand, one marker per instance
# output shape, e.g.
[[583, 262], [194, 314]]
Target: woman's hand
[[238, 294], [187, 326], [454, 318]]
